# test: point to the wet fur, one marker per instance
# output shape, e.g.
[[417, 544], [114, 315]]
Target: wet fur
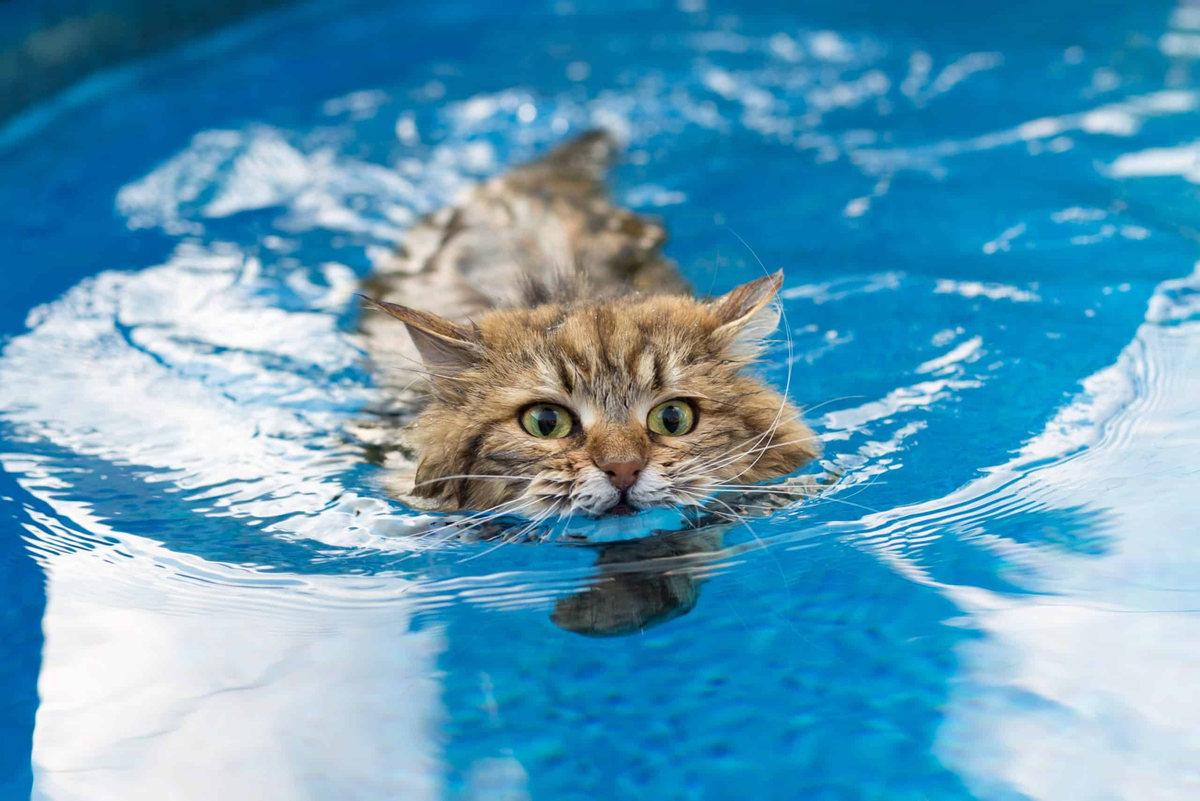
[[609, 354]]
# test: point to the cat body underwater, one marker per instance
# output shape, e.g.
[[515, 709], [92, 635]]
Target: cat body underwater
[[552, 361]]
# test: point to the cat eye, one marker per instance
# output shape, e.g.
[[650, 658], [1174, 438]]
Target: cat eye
[[672, 419], [547, 421]]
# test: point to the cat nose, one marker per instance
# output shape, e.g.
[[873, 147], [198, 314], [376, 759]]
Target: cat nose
[[622, 473]]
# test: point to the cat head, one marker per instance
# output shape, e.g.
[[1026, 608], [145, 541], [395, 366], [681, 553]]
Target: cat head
[[598, 407]]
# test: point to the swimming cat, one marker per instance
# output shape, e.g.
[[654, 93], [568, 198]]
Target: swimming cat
[[556, 363]]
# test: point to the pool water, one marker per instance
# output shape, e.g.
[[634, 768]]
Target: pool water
[[987, 218]]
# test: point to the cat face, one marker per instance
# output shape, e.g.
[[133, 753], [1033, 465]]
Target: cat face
[[602, 407]]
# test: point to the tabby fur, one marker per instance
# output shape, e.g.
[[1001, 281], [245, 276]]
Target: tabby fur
[[498, 321]]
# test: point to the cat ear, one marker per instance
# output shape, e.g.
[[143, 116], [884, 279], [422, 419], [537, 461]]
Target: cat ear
[[747, 314], [446, 348]]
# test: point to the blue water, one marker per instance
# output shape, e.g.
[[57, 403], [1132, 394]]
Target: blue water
[[986, 215]]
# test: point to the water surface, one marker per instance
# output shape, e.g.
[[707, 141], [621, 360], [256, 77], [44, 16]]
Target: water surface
[[986, 219]]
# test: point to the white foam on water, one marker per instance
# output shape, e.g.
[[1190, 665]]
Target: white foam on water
[[989, 290], [1089, 675]]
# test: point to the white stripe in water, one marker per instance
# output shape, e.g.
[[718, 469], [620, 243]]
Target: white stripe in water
[[1089, 676], [170, 669]]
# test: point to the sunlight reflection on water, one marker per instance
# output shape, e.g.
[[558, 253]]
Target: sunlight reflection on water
[[997, 330]]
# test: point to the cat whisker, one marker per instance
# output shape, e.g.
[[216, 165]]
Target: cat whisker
[[787, 330], [504, 532], [510, 538], [751, 488], [759, 540], [545, 515], [826, 402], [393, 363], [762, 452], [570, 516], [770, 430], [706, 499], [775, 488], [715, 465], [508, 507], [702, 471], [695, 499], [724, 458], [865, 487], [503, 541], [716, 461], [470, 476], [827, 499], [709, 459]]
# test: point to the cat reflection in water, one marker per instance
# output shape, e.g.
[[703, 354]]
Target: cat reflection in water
[[641, 583], [552, 363]]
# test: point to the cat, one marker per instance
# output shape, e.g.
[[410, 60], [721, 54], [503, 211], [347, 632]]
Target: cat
[[553, 362]]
